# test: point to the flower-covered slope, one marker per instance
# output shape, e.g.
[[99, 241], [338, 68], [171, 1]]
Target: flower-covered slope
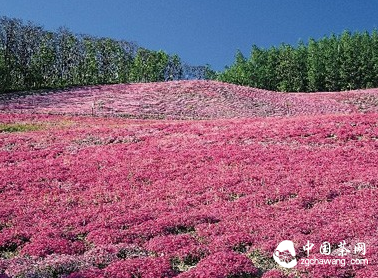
[[188, 100], [110, 197]]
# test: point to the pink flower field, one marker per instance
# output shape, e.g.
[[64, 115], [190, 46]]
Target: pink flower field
[[188, 100], [188, 179]]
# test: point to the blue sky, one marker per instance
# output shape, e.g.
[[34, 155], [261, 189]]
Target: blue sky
[[200, 31]]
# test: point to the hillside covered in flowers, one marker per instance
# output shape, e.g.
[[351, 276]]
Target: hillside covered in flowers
[[187, 179], [194, 99]]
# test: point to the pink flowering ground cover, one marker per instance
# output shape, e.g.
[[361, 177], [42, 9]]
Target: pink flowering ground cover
[[113, 197], [87, 192], [188, 100]]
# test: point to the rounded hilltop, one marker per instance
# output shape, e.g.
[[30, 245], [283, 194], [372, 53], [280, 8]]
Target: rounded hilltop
[[190, 99]]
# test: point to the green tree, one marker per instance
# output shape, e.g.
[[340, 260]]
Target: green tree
[[123, 60], [348, 69], [374, 59], [238, 73], [290, 69], [159, 65], [331, 57], [365, 66], [68, 58], [149, 66], [210, 74], [257, 67], [10, 29], [3, 69], [90, 66], [28, 44], [42, 66], [301, 57], [315, 67], [106, 49]]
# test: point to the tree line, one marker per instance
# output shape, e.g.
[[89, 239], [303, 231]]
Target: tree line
[[34, 58], [333, 63]]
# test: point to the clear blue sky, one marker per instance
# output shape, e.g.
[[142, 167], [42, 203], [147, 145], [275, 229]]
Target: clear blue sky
[[200, 31]]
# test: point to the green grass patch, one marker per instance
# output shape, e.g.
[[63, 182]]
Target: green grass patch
[[19, 127]]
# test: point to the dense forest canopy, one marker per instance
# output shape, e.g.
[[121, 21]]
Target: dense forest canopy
[[338, 62], [33, 58]]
